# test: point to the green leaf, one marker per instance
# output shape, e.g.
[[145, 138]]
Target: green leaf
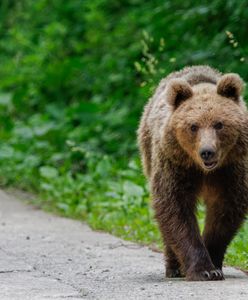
[[103, 167], [6, 151], [132, 190], [5, 99], [48, 172]]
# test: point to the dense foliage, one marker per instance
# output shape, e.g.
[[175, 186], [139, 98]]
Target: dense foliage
[[74, 78]]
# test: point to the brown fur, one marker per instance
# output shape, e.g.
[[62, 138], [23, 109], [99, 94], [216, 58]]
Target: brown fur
[[192, 109]]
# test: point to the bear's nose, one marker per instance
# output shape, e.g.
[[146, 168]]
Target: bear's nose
[[207, 154]]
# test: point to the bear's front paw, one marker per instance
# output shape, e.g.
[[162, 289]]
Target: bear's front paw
[[173, 273], [206, 275]]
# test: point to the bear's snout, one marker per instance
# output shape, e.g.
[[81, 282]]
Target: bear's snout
[[207, 154], [208, 157]]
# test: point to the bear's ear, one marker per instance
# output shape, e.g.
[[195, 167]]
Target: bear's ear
[[178, 90], [230, 86]]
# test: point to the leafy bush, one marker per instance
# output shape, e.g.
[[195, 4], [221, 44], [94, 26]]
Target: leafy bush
[[74, 78]]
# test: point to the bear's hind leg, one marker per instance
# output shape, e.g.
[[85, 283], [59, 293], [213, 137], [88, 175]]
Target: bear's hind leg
[[222, 223], [215, 236], [219, 231], [225, 213], [172, 264]]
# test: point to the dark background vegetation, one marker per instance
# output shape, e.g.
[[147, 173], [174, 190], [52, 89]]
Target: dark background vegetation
[[74, 77]]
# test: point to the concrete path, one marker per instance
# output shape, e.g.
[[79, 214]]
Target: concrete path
[[48, 257]]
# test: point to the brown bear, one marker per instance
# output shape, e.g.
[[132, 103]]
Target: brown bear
[[193, 139]]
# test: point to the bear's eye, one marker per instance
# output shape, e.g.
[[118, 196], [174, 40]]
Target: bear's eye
[[218, 126], [194, 128]]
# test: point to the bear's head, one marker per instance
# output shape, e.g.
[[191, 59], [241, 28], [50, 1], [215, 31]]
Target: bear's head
[[209, 121]]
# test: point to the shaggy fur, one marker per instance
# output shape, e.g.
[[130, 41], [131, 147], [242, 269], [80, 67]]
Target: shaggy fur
[[194, 109]]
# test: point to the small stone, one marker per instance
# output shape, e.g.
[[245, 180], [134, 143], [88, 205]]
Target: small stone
[[84, 292], [106, 270]]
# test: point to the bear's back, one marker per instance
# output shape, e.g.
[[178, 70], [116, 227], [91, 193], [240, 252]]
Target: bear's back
[[193, 75]]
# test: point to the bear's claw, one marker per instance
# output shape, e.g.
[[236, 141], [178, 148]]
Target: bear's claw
[[206, 276]]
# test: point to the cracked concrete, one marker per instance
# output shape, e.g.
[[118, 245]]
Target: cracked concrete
[[49, 257]]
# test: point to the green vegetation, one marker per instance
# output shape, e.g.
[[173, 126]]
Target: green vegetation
[[74, 78]]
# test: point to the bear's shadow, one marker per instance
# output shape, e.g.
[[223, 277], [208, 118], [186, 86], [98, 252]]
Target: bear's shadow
[[159, 278]]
